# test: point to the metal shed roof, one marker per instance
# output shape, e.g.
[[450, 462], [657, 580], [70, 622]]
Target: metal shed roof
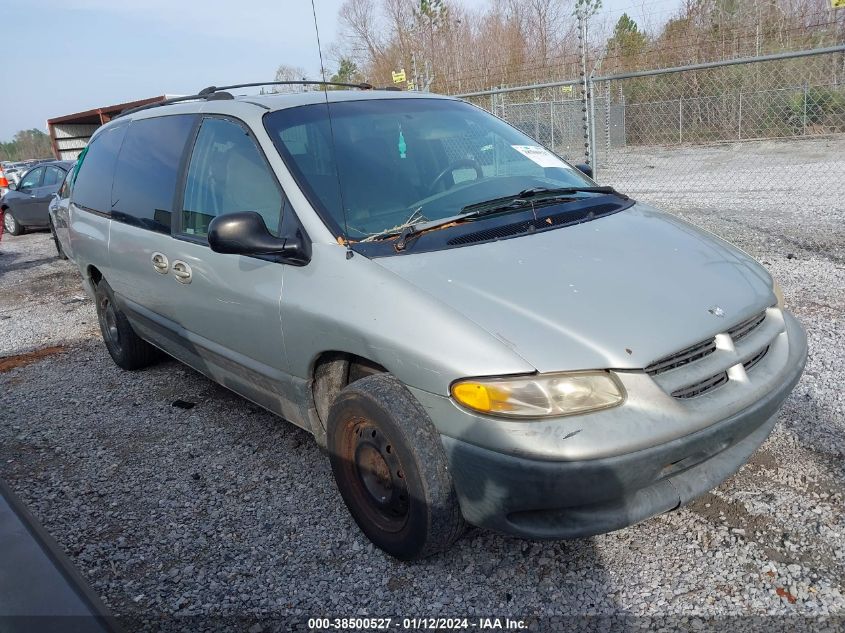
[[69, 134]]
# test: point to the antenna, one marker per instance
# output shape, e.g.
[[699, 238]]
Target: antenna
[[349, 252]]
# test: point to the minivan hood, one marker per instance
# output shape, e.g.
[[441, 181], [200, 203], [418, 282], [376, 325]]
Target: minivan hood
[[617, 292]]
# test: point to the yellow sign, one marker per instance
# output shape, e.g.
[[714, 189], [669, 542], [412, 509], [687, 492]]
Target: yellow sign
[[398, 76], [567, 90], [837, 4], [411, 85]]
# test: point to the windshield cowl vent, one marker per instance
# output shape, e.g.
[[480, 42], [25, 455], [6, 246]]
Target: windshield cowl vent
[[542, 223]]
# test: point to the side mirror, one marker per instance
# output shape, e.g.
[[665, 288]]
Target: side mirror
[[13, 185], [585, 169], [245, 233]]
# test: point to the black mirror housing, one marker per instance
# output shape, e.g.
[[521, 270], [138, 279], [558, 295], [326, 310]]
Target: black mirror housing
[[585, 169], [245, 233]]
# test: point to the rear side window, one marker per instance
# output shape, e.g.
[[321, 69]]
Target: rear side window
[[227, 174], [52, 176], [92, 188], [147, 171]]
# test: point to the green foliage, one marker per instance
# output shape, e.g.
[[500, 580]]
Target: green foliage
[[27, 144], [627, 40], [817, 105], [347, 72]]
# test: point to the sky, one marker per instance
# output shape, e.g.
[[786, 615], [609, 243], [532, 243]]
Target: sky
[[66, 56]]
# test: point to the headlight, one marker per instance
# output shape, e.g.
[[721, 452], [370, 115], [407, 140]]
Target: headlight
[[540, 396], [778, 294]]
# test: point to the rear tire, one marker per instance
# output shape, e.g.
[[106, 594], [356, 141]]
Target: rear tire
[[128, 350], [11, 224], [391, 469]]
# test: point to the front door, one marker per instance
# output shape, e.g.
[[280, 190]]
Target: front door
[[50, 184], [25, 200], [229, 305]]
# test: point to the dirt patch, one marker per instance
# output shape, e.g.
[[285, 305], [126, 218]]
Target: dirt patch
[[8, 363], [733, 514]]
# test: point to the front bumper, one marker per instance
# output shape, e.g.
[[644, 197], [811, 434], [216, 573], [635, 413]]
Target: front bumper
[[542, 498]]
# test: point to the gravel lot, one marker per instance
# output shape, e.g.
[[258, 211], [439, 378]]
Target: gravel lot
[[223, 511]]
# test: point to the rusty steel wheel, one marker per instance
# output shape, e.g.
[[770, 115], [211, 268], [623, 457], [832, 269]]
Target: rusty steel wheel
[[391, 469], [377, 476]]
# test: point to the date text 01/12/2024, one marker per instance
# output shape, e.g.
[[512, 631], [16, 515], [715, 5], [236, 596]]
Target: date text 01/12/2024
[[415, 624]]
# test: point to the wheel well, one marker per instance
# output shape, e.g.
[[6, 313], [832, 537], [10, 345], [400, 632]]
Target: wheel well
[[94, 274], [332, 372]]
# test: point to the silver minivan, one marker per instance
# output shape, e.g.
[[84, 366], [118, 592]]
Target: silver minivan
[[473, 329]]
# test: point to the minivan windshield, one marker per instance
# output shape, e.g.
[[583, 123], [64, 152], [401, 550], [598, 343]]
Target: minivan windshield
[[395, 162]]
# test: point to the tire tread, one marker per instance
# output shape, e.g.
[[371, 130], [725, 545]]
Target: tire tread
[[446, 522], [135, 352]]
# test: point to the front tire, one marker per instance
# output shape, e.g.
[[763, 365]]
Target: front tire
[[127, 349], [391, 469], [11, 224]]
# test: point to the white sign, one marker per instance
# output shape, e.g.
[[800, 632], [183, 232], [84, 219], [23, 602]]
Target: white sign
[[541, 156]]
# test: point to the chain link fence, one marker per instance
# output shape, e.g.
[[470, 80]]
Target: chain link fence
[[764, 136]]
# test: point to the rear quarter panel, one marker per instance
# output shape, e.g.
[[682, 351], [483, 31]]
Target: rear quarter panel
[[88, 235]]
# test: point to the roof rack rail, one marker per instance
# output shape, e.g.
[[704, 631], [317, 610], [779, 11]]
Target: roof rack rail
[[214, 93], [303, 82], [164, 102]]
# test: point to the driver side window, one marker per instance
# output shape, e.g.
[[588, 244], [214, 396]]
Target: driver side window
[[228, 174], [31, 180]]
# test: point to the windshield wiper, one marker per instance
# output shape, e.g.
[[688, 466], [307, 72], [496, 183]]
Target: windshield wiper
[[417, 225], [410, 231], [521, 199]]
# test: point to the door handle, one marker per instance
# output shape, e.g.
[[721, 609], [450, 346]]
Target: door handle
[[160, 263], [182, 272]]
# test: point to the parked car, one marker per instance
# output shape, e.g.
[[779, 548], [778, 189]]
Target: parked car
[[13, 174], [472, 328], [58, 215], [25, 204]]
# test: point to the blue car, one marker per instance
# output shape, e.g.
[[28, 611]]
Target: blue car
[[25, 204]]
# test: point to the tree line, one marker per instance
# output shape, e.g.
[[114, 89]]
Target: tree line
[[26, 144], [510, 42]]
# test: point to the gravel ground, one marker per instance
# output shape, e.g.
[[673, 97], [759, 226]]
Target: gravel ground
[[222, 511]]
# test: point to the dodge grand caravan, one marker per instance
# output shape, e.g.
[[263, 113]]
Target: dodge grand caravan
[[472, 328]]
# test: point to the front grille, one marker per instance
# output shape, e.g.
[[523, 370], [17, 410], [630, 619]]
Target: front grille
[[746, 327], [688, 381], [756, 358], [699, 388], [688, 355]]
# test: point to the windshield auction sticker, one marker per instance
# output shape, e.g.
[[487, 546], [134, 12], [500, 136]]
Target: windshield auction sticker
[[541, 156]]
